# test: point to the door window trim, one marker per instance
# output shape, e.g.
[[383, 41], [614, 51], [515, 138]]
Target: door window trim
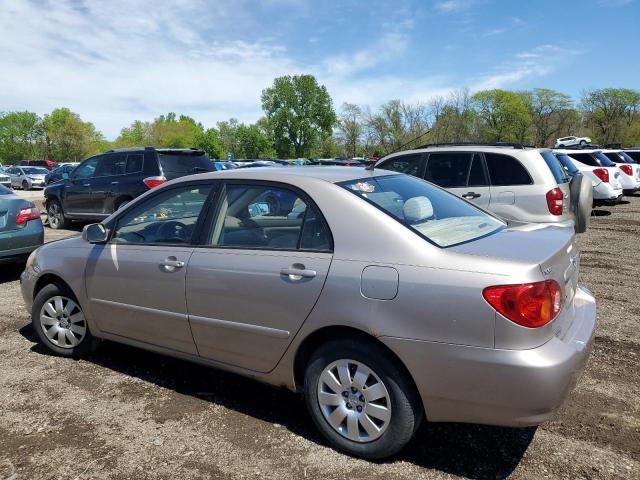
[[214, 212], [112, 224]]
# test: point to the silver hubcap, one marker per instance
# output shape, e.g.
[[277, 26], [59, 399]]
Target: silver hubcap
[[54, 214], [354, 401], [63, 322]]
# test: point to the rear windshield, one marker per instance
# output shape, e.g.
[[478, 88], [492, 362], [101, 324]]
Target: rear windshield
[[604, 160], [556, 167], [181, 162], [5, 191], [585, 158], [626, 157], [435, 214], [566, 162]]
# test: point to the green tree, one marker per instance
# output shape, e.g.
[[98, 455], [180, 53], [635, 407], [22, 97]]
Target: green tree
[[502, 115], [228, 133], [21, 137], [209, 141], [549, 111], [301, 112], [610, 112], [136, 135], [351, 128], [252, 142], [170, 131], [68, 138]]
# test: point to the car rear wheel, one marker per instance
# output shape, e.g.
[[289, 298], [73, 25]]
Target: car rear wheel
[[360, 400], [561, 145], [59, 322], [582, 143], [57, 219], [25, 185]]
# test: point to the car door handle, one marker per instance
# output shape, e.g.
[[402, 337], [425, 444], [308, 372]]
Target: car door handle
[[298, 272], [86, 184], [115, 183], [172, 263], [471, 195]]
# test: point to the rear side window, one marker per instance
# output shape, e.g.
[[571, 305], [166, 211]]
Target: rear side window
[[506, 170], [185, 162], [110, 165], [134, 163], [409, 164], [449, 170], [634, 155], [568, 165], [604, 160], [556, 167], [585, 158], [614, 157]]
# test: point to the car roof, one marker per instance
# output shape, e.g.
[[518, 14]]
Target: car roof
[[332, 174], [569, 151]]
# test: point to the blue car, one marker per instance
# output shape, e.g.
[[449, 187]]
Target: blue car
[[21, 230], [218, 166]]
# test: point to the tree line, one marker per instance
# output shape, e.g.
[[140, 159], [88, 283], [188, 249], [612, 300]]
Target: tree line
[[300, 120]]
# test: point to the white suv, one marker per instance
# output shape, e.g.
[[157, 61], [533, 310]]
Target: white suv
[[630, 177], [572, 141], [515, 182]]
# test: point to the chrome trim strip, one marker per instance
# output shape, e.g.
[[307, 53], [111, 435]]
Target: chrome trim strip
[[243, 327], [138, 308]]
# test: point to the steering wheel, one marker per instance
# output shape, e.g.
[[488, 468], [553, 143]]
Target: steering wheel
[[172, 231]]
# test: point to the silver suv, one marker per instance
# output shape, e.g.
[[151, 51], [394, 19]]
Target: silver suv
[[517, 183]]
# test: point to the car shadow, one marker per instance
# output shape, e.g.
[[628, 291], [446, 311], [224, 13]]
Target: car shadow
[[10, 272], [471, 451], [600, 213]]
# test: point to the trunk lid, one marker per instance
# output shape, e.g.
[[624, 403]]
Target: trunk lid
[[10, 205]]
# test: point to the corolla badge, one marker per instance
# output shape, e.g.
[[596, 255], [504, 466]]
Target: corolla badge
[[547, 271], [574, 260]]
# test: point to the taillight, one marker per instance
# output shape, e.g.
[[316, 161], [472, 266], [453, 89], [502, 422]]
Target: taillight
[[602, 174], [27, 213], [627, 169], [153, 182], [530, 305], [555, 199]]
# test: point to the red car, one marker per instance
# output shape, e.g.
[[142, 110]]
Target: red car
[[48, 164]]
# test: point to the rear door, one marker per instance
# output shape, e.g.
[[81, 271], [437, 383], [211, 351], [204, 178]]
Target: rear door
[[461, 173], [136, 282], [104, 183], [258, 276]]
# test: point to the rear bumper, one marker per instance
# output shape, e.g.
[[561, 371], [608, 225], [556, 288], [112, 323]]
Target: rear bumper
[[500, 387], [16, 245], [605, 192]]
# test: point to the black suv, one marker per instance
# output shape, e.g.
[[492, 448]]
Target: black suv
[[102, 184]]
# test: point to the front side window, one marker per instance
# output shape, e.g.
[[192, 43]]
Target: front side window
[[438, 216], [87, 168], [409, 164], [266, 217], [168, 218], [505, 170]]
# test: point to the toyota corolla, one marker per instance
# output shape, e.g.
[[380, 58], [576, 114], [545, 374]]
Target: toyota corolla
[[382, 298]]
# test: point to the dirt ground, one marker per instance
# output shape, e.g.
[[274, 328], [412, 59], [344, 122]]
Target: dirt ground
[[124, 413]]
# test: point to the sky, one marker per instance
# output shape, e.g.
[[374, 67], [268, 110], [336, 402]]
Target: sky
[[116, 61]]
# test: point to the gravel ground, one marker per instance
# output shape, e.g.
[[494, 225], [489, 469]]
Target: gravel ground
[[125, 413]]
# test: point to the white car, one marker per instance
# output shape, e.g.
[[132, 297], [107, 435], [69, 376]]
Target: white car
[[630, 177], [572, 141], [605, 180]]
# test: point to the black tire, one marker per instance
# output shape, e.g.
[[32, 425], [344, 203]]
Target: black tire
[[582, 143], [561, 145], [25, 185], [406, 406], [56, 216], [88, 342]]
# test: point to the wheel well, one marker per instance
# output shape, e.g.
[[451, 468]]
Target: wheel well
[[317, 338], [48, 279]]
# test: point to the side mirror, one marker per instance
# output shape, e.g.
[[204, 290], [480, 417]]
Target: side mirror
[[95, 233], [65, 176]]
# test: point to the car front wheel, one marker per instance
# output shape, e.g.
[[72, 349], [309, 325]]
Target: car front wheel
[[55, 214], [59, 322], [360, 399], [25, 185]]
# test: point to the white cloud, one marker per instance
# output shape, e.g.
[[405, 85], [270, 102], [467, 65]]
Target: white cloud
[[537, 62], [450, 6]]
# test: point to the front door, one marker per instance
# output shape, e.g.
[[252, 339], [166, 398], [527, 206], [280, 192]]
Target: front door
[[252, 287], [77, 189], [136, 282]]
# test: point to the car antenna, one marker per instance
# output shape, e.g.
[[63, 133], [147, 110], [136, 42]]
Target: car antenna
[[372, 166]]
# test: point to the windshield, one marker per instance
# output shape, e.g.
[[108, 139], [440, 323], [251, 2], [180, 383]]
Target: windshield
[[604, 160], [566, 162], [556, 167], [438, 216], [35, 171]]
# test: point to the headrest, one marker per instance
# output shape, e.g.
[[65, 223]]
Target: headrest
[[417, 208]]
